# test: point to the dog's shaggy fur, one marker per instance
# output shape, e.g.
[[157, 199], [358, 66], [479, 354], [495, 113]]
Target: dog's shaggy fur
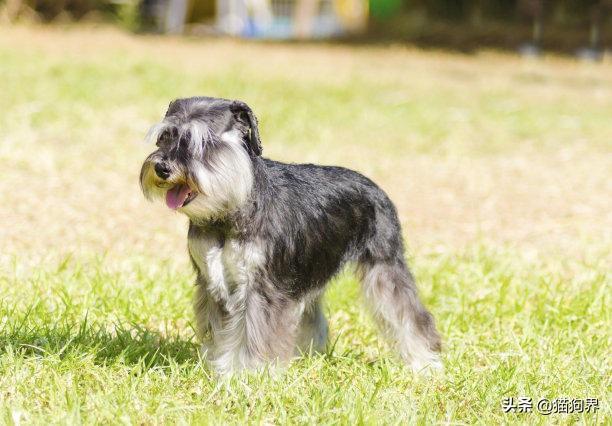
[[266, 237]]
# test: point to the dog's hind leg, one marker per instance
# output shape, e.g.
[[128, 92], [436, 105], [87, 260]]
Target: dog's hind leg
[[312, 332], [390, 292]]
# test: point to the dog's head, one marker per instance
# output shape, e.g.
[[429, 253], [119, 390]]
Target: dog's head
[[203, 165]]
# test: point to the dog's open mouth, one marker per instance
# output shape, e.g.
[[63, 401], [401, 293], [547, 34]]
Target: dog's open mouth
[[179, 196]]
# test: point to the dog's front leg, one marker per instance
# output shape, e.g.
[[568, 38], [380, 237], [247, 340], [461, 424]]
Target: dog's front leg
[[208, 316], [313, 329], [253, 330]]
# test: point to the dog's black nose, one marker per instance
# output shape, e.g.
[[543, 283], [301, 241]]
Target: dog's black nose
[[162, 170]]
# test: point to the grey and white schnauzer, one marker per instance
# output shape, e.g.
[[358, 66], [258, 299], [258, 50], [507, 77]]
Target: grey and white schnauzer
[[266, 237]]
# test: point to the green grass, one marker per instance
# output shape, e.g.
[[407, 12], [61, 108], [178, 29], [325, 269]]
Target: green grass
[[499, 168], [83, 342]]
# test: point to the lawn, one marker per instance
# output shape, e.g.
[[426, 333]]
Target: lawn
[[499, 166]]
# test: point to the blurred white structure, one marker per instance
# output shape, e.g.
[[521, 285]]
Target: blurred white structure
[[175, 16], [291, 18]]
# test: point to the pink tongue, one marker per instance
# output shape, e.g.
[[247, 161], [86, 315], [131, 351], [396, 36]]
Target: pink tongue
[[176, 196]]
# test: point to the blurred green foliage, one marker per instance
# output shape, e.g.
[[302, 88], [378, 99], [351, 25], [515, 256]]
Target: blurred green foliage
[[383, 9]]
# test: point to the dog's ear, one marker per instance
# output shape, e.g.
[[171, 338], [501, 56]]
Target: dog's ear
[[171, 105], [242, 112]]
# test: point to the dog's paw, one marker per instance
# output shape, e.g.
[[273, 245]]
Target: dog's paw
[[427, 367]]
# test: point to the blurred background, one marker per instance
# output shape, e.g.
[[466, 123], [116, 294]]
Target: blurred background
[[579, 26]]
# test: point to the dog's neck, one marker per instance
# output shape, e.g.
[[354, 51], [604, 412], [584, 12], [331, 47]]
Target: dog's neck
[[224, 227], [218, 230], [235, 223]]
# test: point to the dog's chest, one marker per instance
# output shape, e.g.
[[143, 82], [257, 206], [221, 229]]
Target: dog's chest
[[226, 266]]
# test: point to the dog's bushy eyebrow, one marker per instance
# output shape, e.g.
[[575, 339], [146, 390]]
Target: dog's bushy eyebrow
[[190, 136], [155, 132], [193, 124]]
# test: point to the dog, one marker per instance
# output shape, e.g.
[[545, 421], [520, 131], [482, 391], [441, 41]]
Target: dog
[[265, 238]]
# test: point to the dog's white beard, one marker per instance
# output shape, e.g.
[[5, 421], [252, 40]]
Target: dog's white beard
[[225, 183]]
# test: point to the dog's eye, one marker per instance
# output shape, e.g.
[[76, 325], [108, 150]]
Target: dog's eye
[[163, 142]]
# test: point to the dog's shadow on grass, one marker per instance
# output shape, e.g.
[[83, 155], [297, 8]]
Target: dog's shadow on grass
[[133, 345]]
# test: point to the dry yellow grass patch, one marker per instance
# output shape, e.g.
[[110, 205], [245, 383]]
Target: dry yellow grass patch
[[471, 148]]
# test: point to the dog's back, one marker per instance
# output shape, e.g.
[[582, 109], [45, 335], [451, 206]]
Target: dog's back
[[314, 219]]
